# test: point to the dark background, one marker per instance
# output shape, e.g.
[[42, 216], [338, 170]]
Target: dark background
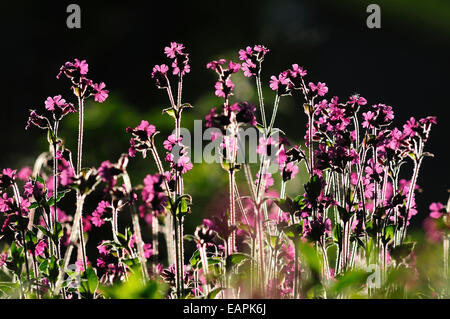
[[403, 64]]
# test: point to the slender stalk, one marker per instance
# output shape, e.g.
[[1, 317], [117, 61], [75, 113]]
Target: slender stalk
[[136, 228], [80, 133], [72, 240], [296, 272], [155, 242], [82, 243], [261, 100], [412, 186], [204, 259], [22, 231], [55, 172], [232, 217], [445, 255]]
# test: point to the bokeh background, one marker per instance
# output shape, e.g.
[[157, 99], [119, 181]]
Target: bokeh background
[[403, 64]]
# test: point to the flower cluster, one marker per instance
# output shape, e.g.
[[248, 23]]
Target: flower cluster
[[83, 87]]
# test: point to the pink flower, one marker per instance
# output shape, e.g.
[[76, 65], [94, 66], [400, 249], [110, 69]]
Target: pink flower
[[297, 71], [50, 103], [368, 116], [184, 164], [290, 171], [321, 88], [3, 258], [82, 66], [283, 79], [97, 214], [174, 49], [160, 75], [234, 67], [100, 94], [358, 100], [265, 146], [148, 251], [80, 266], [153, 193], [437, 210], [25, 173], [245, 54], [216, 65], [102, 249], [58, 106], [40, 249], [224, 90], [267, 178], [171, 142]]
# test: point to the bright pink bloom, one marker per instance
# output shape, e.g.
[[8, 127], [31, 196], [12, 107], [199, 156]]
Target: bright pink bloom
[[100, 94], [437, 210], [297, 71], [171, 142], [321, 88], [174, 49], [25, 173], [57, 101]]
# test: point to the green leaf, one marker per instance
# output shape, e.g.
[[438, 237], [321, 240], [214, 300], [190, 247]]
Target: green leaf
[[245, 227], [53, 269], [402, 251], [350, 281], [195, 259], [30, 238], [213, 293], [236, 259], [293, 231], [286, 205], [344, 214], [33, 205], [313, 188], [89, 283], [169, 111], [134, 288], [122, 239], [388, 234], [40, 179], [337, 234]]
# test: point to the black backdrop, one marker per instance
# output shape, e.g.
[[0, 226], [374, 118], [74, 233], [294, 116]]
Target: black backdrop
[[403, 64]]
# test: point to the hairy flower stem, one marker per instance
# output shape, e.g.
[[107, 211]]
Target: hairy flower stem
[[296, 270], [55, 171], [260, 238], [72, 240], [178, 220], [136, 228], [82, 243], [114, 224], [446, 244], [205, 266], [310, 143], [326, 265], [169, 224], [55, 185], [261, 100], [22, 231], [155, 242], [232, 217], [274, 114], [80, 198], [417, 164], [80, 133]]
